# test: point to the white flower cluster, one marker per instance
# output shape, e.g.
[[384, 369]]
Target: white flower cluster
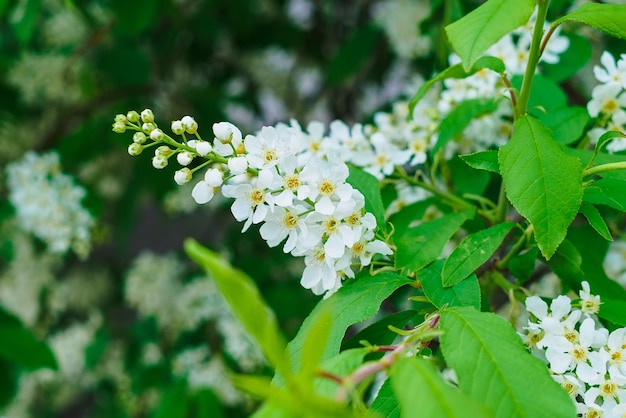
[[608, 100], [290, 180], [582, 356], [615, 261], [48, 203]]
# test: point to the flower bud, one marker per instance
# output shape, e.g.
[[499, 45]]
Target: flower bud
[[203, 148], [156, 134], [121, 118], [139, 138], [132, 116], [238, 165], [163, 150], [225, 131], [182, 176], [147, 116], [177, 127], [191, 126], [184, 158], [119, 127], [214, 177], [159, 161], [135, 149], [148, 127]]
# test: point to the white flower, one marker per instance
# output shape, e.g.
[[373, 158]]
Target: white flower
[[328, 186], [203, 147], [267, 148], [182, 176], [238, 165], [177, 127], [611, 73], [184, 158], [226, 132], [590, 303], [606, 99]]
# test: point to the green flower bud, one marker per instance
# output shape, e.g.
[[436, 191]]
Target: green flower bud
[[135, 149], [147, 116], [132, 116], [139, 137], [119, 127]]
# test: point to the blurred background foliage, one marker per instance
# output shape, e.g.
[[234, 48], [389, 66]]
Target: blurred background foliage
[[122, 325]]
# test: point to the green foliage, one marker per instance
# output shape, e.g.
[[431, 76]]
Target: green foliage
[[483, 347], [609, 18], [483, 160], [473, 252], [420, 245], [474, 33], [244, 298], [419, 387], [21, 347], [542, 182], [464, 293], [458, 119], [352, 54]]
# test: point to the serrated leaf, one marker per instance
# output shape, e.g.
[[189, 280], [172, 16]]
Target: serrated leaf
[[542, 182], [494, 368], [483, 160], [456, 71], [246, 302], [595, 220], [352, 303], [607, 191], [474, 33], [466, 293], [604, 139], [421, 245], [473, 252], [460, 117], [369, 186], [419, 387], [386, 403], [21, 347], [567, 124], [608, 18]]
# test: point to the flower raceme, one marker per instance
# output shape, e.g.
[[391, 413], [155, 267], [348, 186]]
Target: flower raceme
[[279, 180]]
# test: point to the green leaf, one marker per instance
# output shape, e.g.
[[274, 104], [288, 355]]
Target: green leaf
[[421, 245], [474, 33], [608, 18], [419, 387], [352, 303], [352, 54], [595, 220], [573, 59], [21, 347], [466, 179], [604, 139], [522, 265], [545, 96], [466, 293], [206, 405], [456, 71], [473, 252], [136, 16], [379, 333], [607, 191], [24, 18], [568, 124], [244, 298], [369, 186], [460, 117], [483, 160], [542, 182], [495, 369], [174, 402], [386, 403]]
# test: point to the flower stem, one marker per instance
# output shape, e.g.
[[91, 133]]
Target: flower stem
[[533, 59], [604, 168]]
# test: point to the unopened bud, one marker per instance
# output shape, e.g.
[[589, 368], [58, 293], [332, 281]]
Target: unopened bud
[[163, 150], [135, 149], [203, 148], [148, 127], [156, 135], [147, 116], [159, 161], [132, 116], [184, 158], [191, 126], [121, 118], [119, 127], [139, 137], [177, 127], [182, 176]]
